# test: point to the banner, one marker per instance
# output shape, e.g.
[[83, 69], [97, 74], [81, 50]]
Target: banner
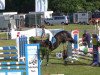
[[2, 4], [41, 5], [32, 59]]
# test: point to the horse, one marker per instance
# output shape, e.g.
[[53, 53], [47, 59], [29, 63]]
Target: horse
[[60, 37]]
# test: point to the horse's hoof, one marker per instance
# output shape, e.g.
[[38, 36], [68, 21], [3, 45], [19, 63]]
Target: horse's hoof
[[47, 64]]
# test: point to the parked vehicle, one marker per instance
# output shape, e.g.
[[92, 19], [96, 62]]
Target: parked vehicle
[[95, 18], [81, 17], [7, 22], [56, 20]]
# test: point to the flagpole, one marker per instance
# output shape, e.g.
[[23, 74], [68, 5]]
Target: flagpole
[[36, 23]]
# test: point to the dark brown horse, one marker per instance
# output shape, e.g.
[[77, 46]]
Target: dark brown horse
[[60, 37]]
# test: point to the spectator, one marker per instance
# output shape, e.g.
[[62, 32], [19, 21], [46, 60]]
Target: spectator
[[86, 38], [95, 61]]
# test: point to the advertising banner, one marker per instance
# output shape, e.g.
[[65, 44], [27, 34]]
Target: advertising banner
[[32, 59]]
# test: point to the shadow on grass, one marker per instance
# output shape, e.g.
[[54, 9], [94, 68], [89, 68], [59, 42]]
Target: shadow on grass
[[86, 58]]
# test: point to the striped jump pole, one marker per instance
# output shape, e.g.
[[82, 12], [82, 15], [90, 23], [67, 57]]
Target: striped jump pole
[[12, 68], [75, 35], [12, 65], [6, 51], [21, 41]]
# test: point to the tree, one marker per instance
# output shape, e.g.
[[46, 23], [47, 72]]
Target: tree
[[65, 6], [74, 5], [21, 6]]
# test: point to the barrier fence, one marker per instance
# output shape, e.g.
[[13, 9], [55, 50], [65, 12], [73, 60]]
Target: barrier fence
[[14, 52], [8, 54], [8, 65]]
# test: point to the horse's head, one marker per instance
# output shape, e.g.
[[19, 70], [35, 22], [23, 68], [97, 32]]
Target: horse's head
[[46, 43]]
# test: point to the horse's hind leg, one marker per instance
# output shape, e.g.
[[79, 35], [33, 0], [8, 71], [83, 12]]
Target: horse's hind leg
[[47, 57]]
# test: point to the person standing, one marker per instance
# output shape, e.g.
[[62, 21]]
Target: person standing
[[95, 50], [86, 38], [8, 30]]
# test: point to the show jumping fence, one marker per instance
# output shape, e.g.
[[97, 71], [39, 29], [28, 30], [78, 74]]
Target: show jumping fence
[[9, 61], [9, 64]]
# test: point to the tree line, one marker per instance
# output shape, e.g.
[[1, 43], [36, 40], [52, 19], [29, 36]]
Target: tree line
[[65, 6]]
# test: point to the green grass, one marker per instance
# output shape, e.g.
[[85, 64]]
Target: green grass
[[7, 42], [3, 35], [70, 70], [70, 27], [81, 67]]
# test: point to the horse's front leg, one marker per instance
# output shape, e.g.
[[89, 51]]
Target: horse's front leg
[[47, 56]]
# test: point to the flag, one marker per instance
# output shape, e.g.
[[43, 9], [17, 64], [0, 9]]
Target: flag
[[2, 4], [41, 5]]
